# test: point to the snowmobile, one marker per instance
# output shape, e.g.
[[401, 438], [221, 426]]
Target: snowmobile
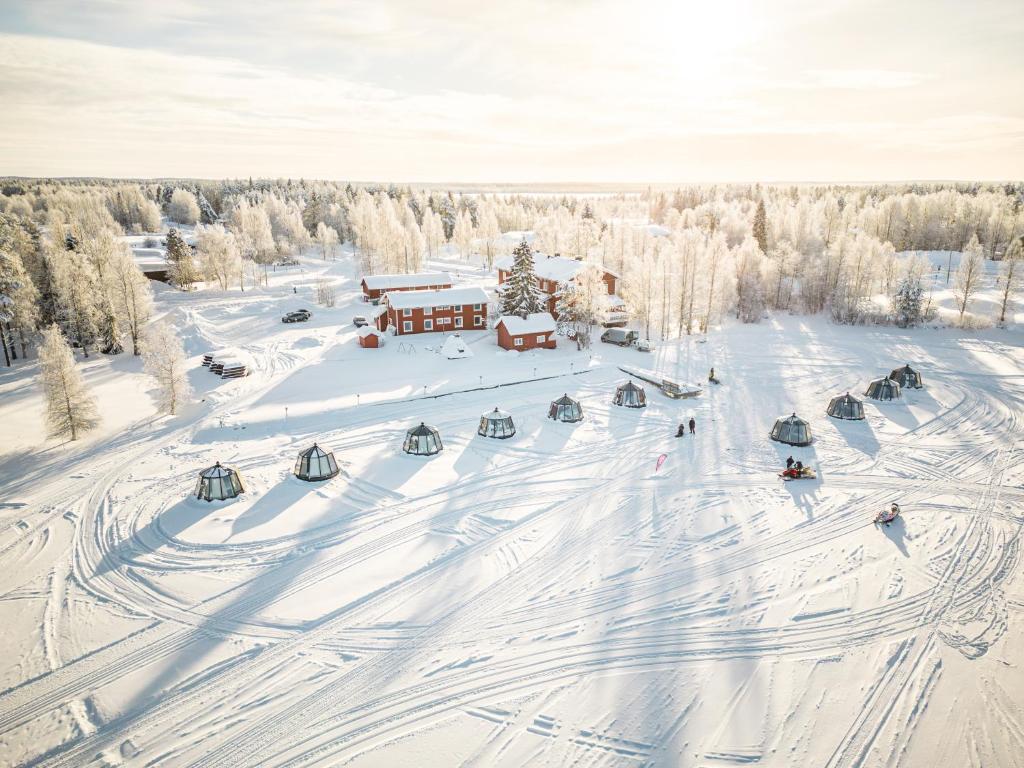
[[804, 473], [887, 515]]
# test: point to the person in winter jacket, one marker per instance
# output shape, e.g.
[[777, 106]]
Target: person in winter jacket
[[789, 463], [693, 426], [681, 432]]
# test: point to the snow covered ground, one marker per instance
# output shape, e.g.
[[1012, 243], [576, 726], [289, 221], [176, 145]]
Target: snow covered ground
[[544, 600]]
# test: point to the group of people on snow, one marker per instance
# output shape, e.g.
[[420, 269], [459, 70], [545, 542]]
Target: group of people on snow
[[681, 432], [793, 468]]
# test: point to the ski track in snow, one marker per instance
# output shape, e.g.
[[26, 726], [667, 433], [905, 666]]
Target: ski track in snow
[[557, 562]]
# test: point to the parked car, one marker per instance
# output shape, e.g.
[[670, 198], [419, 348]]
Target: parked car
[[359, 321], [623, 337], [644, 345], [298, 316]]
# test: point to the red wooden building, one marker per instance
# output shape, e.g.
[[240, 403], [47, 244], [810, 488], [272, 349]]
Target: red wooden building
[[375, 286], [532, 332], [370, 337], [448, 310], [553, 270]]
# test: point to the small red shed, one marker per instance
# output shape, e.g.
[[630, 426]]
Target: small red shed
[[370, 337], [532, 332]]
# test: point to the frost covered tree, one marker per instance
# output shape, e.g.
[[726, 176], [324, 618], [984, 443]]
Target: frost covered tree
[[74, 284], [582, 304], [413, 243], [70, 410], [183, 270], [133, 296], [100, 250], [183, 207], [716, 254], [521, 295], [207, 215], [749, 264], [327, 239], [127, 204], [163, 357], [463, 234], [1009, 276], [433, 232], [908, 303], [251, 227], [489, 231], [19, 312], [218, 254], [968, 275]]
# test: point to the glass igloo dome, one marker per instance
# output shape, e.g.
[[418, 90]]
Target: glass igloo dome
[[883, 389], [907, 377], [315, 464], [218, 483], [565, 409], [629, 395], [422, 441], [845, 407], [497, 424], [792, 430]]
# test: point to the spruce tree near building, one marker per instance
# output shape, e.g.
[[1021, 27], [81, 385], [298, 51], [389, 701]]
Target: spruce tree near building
[[183, 271], [70, 410], [521, 295]]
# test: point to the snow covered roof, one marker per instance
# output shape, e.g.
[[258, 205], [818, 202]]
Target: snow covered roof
[[556, 268], [368, 330], [150, 259], [538, 322], [472, 294], [496, 414], [417, 280]]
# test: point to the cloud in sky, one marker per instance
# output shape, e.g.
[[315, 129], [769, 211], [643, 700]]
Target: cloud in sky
[[579, 90]]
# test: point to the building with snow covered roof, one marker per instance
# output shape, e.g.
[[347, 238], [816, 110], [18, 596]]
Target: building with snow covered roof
[[522, 333], [370, 337], [375, 286], [551, 271], [448, 310]]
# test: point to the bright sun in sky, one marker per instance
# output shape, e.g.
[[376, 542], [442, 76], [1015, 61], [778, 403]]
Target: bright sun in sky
[[579, 90]]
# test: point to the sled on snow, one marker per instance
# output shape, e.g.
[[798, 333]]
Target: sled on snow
[[886, 516], [798, 474]]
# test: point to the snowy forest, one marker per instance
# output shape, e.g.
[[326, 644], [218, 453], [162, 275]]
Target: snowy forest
[[688, 257]]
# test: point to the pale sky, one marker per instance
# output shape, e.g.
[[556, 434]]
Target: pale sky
[[514, 90]]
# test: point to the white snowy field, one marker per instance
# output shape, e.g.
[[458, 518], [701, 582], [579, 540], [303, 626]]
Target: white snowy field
[[546, 600]]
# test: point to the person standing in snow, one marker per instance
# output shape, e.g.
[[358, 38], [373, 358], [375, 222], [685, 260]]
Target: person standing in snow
[[693, 426]]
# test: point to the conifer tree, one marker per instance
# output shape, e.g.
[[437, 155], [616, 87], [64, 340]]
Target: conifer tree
[[907, 304], [70, 410], [521, 295], [19, 300], [74, 285], [761, 226], [206, 213], [183, 270]]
